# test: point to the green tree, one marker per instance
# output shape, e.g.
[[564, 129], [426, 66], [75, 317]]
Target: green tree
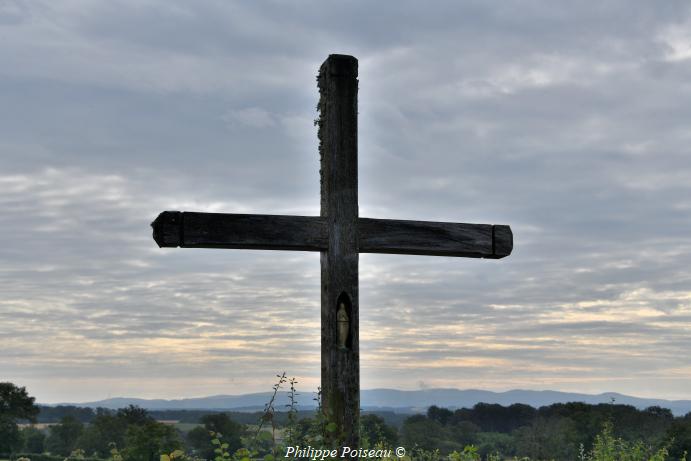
[[10, 439], [420, 431], [464, 433], [63, 436], [105, 429], [373, 429], [199, 441], [134, 415], [680, 435], [94, 442], [15, 403], [306, 432], [440, 415], [548, 438], [148, 441], [34, 440], [607, 447], [490, 443], [492, 417], [220, 423]]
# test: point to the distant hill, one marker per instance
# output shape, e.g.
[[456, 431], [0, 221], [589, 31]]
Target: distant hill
[[393, 400]]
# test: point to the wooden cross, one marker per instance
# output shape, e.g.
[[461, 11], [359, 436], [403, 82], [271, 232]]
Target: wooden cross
[[339, 234]]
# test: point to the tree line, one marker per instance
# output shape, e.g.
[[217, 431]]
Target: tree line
[[491, 431], [556, 431]]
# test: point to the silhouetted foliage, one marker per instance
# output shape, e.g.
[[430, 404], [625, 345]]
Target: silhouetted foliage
[[440, 415], [679, 433], [551, 432], [10, 439], [134, 415], [147, 439], [374, 429], [15, 404], [33, 440], [63, 437], [492, 417], [199, 438], [105, 429]]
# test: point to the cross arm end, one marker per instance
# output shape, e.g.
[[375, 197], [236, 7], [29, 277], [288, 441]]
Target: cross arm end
[[167, 229], [502, 241]]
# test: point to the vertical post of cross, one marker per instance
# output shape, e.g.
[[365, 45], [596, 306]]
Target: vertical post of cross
[[340, 355]]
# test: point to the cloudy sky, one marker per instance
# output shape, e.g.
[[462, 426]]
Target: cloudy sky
[[567, 121]]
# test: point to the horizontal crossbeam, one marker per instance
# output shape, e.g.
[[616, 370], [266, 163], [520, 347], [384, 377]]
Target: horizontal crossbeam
[[434, 238], [307, 233], [240, 231]]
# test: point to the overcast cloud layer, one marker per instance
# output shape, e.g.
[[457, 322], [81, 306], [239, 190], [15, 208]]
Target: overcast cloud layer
[[569, 122]]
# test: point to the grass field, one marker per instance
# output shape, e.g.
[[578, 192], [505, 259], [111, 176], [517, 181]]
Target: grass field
[[186, 427]]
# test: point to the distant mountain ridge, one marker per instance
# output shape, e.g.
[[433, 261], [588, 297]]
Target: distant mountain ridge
[[394, 400]]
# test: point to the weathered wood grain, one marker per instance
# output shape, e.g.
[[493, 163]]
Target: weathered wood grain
[[240, 231], [340, 366], [434, 238], [310, 233]]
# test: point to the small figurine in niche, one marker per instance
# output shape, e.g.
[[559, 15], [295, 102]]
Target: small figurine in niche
[[343, 325]]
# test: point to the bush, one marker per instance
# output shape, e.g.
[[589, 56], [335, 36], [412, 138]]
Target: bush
[[44, 457]]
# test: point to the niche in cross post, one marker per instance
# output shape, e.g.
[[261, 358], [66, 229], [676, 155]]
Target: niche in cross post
[[344, 315]]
